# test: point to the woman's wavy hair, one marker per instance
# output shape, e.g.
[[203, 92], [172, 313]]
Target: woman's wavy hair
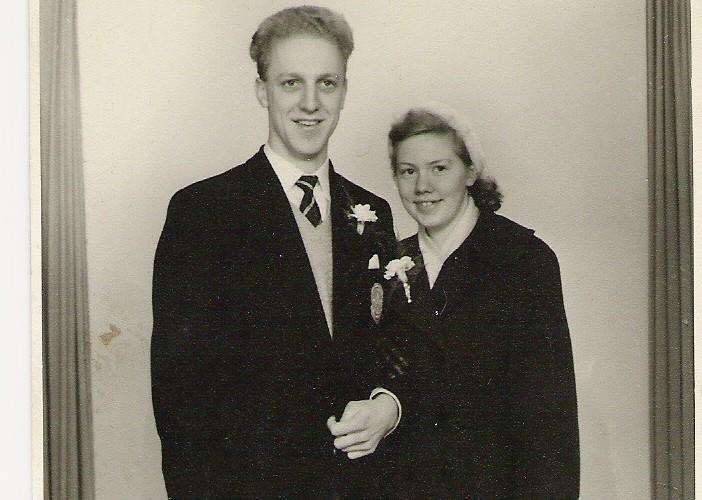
[[439, 119]]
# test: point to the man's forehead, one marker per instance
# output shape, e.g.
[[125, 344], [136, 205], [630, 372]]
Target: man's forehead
[[307, 53]]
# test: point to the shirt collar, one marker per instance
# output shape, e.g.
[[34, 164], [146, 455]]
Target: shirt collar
[[288, 174]]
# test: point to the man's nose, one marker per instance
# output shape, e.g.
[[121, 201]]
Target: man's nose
[[310, 99]]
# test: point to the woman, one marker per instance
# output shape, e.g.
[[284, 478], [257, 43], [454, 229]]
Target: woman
[[489, 405]]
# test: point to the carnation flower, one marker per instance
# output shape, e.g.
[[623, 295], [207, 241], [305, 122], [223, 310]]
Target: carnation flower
[[398, 268], [362, 214]]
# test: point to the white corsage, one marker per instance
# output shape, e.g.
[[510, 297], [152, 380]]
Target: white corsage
[[399, 268], [362, 214]]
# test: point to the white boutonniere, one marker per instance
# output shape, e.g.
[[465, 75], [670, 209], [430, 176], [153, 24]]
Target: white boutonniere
[[362, 214], [399, 268]]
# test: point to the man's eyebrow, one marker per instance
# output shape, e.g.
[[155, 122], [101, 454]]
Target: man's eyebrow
[[288, 74], [294, 74]]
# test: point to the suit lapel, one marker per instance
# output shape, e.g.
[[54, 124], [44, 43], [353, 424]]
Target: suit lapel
[[276, 244], [348, 254]]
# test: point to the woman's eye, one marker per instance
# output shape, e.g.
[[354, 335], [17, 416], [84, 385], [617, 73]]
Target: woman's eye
[[440, 168]]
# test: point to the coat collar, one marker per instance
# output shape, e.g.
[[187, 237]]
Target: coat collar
[[494, 244], [277, 229]]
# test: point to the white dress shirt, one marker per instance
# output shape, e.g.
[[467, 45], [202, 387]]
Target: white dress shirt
[[288, 174], [435, 253]]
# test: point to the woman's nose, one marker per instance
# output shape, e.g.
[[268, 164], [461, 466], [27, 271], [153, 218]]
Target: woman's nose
[[423, 183]]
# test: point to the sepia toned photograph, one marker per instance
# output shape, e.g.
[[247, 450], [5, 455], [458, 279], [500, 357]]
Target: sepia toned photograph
[[365, 249]]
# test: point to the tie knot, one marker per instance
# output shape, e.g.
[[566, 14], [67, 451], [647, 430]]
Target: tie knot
[[307, 182]]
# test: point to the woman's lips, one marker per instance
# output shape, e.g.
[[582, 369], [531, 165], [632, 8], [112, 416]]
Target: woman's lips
[[427, 205]]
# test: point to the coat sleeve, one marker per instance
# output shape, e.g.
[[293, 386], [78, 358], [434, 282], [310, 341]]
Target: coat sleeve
[[182, 392], [543, 400]]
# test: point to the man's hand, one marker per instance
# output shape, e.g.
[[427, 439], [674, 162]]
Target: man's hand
[[363, 424]]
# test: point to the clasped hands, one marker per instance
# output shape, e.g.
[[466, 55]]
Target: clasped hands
[[363, 425]]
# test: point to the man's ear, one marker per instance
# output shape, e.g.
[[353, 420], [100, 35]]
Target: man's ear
[[472, 177], [261, 94], [343, 97]]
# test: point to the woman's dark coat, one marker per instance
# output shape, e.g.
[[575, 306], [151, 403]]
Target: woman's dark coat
[[486, 379]]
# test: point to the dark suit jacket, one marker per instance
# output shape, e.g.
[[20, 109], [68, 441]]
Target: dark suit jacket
[[491, 410], [244, 372]]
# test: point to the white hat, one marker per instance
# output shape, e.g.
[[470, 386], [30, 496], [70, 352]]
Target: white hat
[[457, 122]]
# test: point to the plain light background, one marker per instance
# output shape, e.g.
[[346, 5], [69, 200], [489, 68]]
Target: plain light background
[[15, 341], [556, 89]]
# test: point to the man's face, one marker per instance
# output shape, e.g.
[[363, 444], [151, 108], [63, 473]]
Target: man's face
[[304, 92]]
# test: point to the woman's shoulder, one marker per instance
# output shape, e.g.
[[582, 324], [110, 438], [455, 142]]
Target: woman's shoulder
[[513, 241]]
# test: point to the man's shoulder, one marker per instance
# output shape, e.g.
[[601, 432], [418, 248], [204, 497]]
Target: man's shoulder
[[361, 195], [223, 186]]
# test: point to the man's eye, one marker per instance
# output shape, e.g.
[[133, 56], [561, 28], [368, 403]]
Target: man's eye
[[290, 84], [406, 172], [327, 84]]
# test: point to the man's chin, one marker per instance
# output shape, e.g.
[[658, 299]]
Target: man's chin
[[309, 153]]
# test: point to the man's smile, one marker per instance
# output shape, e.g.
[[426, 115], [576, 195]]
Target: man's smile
[[306, 122]]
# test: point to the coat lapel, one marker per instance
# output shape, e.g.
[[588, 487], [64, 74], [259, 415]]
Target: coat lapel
[[348, 252], [478, 258], [490, 247], [419, 312], [464, 271], [276, 246]]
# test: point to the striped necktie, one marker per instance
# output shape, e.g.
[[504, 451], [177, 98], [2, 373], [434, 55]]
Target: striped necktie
[[308, 205]]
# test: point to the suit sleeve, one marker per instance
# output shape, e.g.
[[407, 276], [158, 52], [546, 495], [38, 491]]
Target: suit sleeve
[[401, 357], [382, 373], [179, 358], [407, 372], [543, 400]]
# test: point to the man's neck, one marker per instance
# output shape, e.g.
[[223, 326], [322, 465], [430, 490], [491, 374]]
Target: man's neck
[[307, 165]]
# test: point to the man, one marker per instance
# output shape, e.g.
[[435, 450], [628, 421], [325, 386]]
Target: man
[[261, 295]]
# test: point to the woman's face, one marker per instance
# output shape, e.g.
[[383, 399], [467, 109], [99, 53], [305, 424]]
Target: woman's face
[[431, 179]]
